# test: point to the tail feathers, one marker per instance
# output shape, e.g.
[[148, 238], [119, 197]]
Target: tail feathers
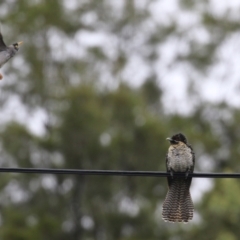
[[178, 205]]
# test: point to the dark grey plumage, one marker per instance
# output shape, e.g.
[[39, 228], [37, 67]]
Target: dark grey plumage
[[178, 205], [7, 52]]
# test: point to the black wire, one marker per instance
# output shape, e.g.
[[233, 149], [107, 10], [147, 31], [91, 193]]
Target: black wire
[[116, 173]]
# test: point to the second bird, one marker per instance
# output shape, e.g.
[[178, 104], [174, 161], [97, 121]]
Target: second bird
[[7, 52], [178, 205]]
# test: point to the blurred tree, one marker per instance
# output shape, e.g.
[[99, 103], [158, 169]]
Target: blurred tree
[[97, 131], [74, 66]]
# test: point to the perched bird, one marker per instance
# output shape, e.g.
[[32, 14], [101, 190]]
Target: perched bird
[[7, 52], [178, 205]]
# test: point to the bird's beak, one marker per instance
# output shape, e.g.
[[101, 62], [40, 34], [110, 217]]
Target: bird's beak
[[20, 43], [169, 139]]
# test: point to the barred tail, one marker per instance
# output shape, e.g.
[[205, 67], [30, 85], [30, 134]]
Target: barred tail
[[178, 205]]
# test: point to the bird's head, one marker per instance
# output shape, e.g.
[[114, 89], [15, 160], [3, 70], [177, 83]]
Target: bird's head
[[179, 137], [17, 45]]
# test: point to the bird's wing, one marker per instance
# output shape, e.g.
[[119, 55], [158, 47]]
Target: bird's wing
[[169, 179], [193, 157], [2, 44]]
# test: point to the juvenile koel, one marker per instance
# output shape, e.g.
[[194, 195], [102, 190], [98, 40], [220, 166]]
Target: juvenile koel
[[178, 205]]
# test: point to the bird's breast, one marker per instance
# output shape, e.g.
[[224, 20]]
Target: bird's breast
[[4, 57], [179, 158]]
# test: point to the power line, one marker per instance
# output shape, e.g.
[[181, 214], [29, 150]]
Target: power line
[[115, 173]]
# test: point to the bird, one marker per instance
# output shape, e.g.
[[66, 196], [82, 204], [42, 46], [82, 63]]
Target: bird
[[7, 52], [178, 205]]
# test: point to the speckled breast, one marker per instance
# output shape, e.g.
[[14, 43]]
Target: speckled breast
[[179, 157]]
